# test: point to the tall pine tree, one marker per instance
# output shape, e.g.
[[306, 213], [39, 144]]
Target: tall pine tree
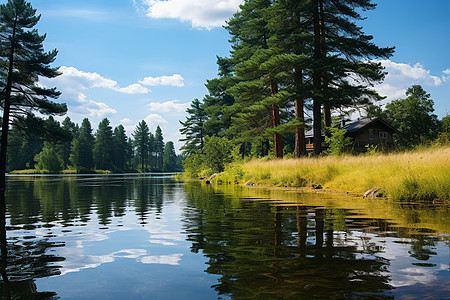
[[23, 60]]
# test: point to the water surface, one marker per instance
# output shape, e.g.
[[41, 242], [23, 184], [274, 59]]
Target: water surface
[[150, 237]]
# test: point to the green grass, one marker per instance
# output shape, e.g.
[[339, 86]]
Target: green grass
[[417, 175]]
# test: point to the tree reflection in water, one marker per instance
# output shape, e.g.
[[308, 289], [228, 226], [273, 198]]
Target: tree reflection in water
[[260, 249], [22, 262], [270, 251]]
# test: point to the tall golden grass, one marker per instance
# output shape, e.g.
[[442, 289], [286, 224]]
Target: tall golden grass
[[417, 175]]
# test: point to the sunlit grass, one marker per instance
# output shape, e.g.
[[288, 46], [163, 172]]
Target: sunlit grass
[[418, 175]]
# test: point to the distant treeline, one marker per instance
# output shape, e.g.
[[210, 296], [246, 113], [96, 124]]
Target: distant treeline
[[53, 146]]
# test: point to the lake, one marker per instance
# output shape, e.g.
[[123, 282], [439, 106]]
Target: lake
[[147, 236]]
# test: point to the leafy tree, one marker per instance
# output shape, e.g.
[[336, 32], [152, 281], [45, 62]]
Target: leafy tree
[[193, 128], [444, 134], [23, 60], [141, 143], [170, 158], [120, 147], [159, 148], [217, 153], [337, 142], [413, 117], [82, 147], [48, 159], [103, 146]]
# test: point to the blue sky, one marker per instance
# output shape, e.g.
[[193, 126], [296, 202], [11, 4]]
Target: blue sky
[[132, 60]]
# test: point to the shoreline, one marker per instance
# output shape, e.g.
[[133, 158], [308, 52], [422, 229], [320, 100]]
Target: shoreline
[[416, 176]]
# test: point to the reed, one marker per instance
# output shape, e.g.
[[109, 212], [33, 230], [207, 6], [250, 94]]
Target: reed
[[417, 175]]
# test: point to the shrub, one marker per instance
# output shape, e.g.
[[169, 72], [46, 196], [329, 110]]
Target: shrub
[[337, 142], [49, 160]]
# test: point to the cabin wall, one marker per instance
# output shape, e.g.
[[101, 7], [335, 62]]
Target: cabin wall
[[372, 135]]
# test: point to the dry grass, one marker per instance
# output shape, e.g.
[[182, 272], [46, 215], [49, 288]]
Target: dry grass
[[418, 175]]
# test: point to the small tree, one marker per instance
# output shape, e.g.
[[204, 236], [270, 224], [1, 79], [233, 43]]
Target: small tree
[[337, 142], [49, 160], [170, 158], [217, 153]]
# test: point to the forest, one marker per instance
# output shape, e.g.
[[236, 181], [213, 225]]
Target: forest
[[69, 147], [296, 66]]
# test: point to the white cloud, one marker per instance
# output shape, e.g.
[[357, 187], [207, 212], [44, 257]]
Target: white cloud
[[154, 120], [401, 76], [201, 13], [84, 80], [174, 80], [74, 83], [91, 108], [133, 89], [169, 106], [126, 121]]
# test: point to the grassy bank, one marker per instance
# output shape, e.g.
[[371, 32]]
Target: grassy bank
[[417, 175]]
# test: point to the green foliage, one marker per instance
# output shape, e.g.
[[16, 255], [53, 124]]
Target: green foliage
[[23, 62], [103, 146], [413, 117], [372, 149], [159, 149], [170, 158], [49, 160], [141, 143], [218, 153], [337, 142], [82, 147], [193, 165], [120, 148], [193, 129]]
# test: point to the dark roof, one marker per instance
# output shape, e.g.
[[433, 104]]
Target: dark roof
[[357, 125], [360, 124]]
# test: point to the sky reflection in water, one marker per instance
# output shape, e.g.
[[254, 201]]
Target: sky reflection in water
[[147, 236]]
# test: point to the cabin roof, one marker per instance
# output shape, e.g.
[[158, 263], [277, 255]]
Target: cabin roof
[[360, 124], [357, 125]]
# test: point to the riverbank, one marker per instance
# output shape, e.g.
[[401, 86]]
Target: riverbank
[[417, 175]]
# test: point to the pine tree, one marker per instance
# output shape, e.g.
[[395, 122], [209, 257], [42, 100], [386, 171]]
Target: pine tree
[[170, 158], [342, 51], [120, 147], [71, 130], [82, 147], [23, 60], [159, 148], [193, 128], [141, 143], [103, 146]]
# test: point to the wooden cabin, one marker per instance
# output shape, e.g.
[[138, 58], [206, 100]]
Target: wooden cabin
[[369, 131]]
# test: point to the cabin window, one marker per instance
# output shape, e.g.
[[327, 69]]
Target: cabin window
[[383, 135], [370, 134]]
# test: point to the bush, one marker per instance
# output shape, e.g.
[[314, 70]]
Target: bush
[[49, 160], [218, 153], [337, 142]]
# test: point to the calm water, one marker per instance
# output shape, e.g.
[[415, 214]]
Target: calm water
[[149, 237]]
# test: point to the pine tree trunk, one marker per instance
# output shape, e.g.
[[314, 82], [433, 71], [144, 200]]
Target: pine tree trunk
[[4, 148], [300, 142], [326, 106], [317, 122], [326, 115], [278, 142]]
